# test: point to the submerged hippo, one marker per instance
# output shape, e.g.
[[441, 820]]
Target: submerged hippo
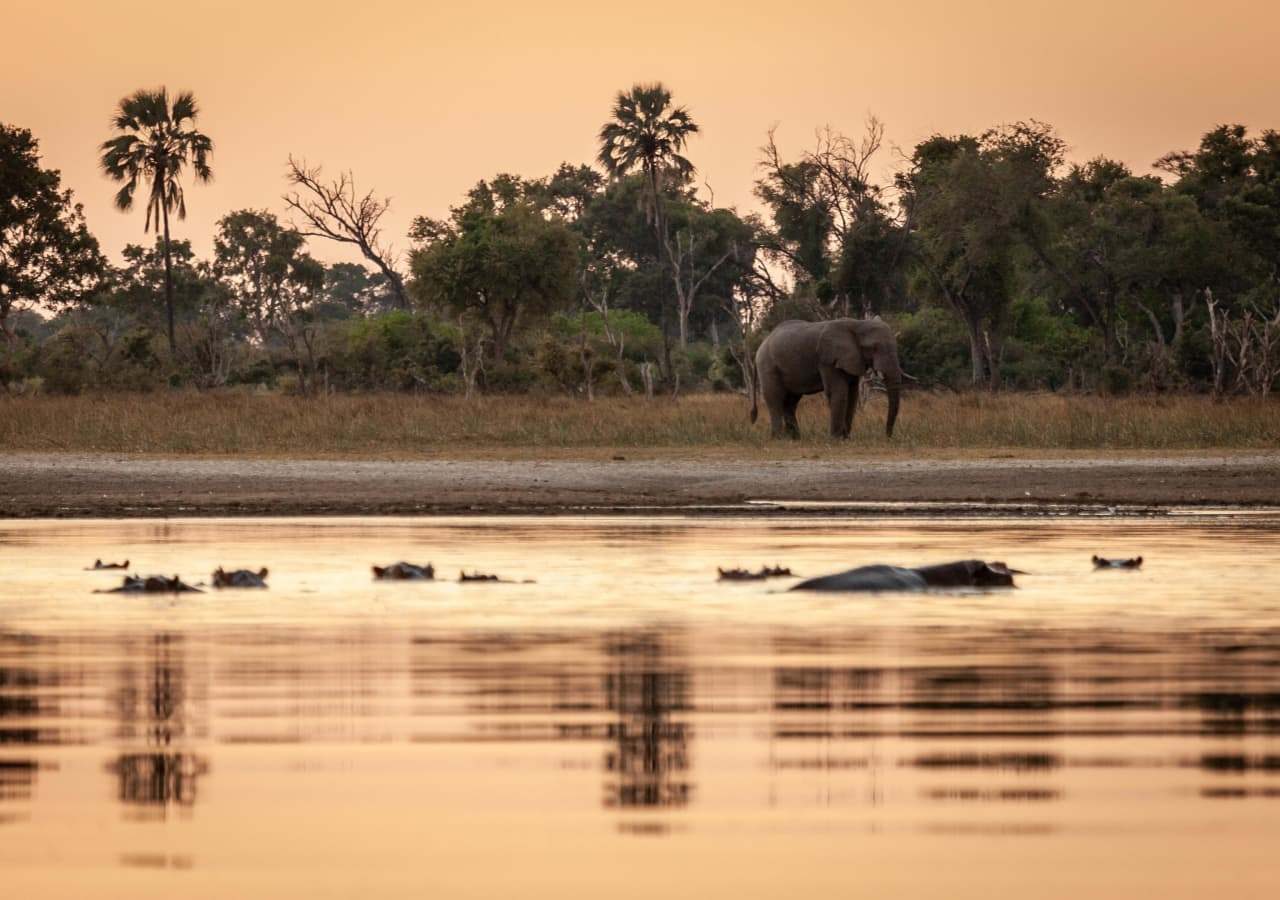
[[99, 564], [745, 575], [403, 571], [240, 578], [1101, 562], [965, 573], [152, 584], [492, 579]]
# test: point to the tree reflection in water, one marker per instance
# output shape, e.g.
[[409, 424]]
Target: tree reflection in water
[[152, 708], [19, 704], [648, 757]]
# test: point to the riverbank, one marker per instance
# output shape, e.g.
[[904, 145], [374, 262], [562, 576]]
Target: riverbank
[[98, 485]]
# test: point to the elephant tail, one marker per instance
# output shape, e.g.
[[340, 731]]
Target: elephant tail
[[755, 394]]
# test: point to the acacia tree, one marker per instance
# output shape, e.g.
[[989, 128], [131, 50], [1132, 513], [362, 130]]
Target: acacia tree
[[1115, 245], [970, 202], [647, 134], [333, 209], [500, 256], [156, 143], [706, 243], [275, 282], [832, 224], [47, 254]]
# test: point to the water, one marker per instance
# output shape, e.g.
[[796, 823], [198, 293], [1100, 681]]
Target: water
[[627, 726]]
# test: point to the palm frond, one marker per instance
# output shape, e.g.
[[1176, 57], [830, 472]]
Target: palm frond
[[124, 196], [184, 108], [154, 144]]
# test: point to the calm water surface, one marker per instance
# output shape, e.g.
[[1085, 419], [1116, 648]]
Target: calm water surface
[[628, 727]]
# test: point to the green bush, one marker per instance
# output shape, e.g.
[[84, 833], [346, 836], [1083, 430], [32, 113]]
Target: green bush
[[79, 358], [934, 347], [397, 350]]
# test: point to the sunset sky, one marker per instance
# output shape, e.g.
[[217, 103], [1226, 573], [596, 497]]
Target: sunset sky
[[421, 100]]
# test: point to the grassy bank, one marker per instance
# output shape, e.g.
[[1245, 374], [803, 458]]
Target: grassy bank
[[395, 424]]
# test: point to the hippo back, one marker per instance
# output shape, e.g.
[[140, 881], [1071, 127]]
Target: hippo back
[[867, 578]]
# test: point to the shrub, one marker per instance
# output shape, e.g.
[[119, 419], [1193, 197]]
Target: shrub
[[397, 350]]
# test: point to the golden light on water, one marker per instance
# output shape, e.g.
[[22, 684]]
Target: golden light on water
[[627, 725]]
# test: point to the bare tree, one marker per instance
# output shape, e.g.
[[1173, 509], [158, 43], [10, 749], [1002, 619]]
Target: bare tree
[[747, 307], [1248, 346], [833, 183], [332, 209], [596, 290], [682, 254]]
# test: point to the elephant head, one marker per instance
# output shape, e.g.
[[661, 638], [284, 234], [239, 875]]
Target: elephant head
[[856, 345]]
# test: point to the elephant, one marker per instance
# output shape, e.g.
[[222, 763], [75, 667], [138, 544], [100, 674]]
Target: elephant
[[240, 578], [799, 358], [965, 573]]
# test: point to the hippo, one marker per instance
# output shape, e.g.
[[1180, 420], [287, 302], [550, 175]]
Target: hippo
[[99, 564], [403, 571], [1101, 562], [240, 578], [965, 573], [463, 577], [152, 584], [745, 575]]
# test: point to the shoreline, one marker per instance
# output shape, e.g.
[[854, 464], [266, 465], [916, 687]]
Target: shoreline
[[63, 485]]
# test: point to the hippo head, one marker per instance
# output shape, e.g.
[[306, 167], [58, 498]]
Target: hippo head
[[993, 574]]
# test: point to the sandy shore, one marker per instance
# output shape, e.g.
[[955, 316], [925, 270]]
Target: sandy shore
[[59, 485]]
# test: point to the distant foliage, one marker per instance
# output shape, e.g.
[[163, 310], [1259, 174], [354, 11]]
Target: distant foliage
[[1000, 264]]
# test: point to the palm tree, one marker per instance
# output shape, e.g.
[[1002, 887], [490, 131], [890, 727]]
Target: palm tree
[[648, 134], [157, 140]]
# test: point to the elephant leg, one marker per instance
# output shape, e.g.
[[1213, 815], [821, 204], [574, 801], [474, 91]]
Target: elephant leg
[[837, 391], [790, 424], [851, 405], [775, 398]]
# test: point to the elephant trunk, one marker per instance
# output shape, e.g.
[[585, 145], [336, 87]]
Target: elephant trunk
[[893, 388], [887, 365]]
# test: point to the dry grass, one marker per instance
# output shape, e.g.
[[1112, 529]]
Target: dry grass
[[398, 425]]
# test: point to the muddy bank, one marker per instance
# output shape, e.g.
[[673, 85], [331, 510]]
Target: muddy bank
[[60, 485]]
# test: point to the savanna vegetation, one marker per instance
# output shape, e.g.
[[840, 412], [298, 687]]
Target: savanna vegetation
[[1000, 265], [702, 425]]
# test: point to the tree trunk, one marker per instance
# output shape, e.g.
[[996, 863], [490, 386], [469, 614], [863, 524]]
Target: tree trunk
[[168, 277], [976, 355], [660, 233], [991, 349]]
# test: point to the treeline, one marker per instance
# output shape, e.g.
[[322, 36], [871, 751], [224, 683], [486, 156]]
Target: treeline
[[999, 264]]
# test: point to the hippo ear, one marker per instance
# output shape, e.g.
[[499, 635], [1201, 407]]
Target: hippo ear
[[262, 573], [838, 347], [377, 571]]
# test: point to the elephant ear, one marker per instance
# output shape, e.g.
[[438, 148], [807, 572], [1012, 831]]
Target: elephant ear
[[837, 346]]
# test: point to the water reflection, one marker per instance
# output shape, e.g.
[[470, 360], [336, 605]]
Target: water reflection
[[20, 705], [153, 717], [675, 716], [649, 691]]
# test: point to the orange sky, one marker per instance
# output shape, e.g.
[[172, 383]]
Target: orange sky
[[421, 100]]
